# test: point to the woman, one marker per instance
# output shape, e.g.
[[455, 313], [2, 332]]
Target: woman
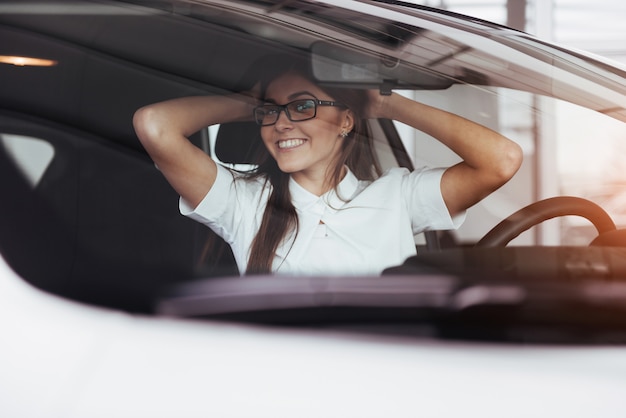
[[316, 203]]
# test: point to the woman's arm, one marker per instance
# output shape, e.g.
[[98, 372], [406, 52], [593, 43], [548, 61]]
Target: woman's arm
[[489, 159], [163, 129]]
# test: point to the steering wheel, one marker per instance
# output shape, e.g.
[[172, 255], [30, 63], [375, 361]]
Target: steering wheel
[[540, 211]]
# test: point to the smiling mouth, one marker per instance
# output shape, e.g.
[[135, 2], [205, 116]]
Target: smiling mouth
[[290, 143]]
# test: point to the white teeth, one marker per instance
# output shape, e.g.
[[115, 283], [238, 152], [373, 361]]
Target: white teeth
[[290, 143]]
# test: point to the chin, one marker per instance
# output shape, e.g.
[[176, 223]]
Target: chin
[[289, 167]]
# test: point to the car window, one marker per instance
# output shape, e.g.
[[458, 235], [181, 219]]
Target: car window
[[210, 149], [99, 219], [589, 150], [31, 155], [125, 235], [503, 110], [568, 150]]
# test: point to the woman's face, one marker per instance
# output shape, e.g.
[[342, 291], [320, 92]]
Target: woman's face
[[305, 149]]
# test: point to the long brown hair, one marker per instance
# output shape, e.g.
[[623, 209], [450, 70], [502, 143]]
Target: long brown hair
[[280, 220]]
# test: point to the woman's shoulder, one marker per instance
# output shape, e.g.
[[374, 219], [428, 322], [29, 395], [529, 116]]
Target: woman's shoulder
[[389, 180], [232, 189], [403, 180], [393, 174]]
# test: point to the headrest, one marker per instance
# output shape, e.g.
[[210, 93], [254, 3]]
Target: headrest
[[238, 142]]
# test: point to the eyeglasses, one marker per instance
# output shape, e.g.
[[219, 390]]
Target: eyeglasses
[[296, 111]]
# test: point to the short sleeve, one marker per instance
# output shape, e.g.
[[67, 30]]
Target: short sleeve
[[428, 211], [233, 209], [215, 202]]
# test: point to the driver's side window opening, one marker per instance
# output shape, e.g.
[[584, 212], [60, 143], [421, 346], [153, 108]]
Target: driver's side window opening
[[568, 150], [589, 146], [506, 111]]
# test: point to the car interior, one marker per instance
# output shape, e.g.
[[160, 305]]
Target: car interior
[[99, 224], [106, 228]]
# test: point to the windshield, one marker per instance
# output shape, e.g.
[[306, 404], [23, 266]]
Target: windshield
[[314, 164]]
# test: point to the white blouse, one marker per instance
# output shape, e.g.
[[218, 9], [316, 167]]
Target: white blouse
[[362, 228]]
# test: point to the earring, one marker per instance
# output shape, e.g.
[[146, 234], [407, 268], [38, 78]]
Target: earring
[[343, 133]]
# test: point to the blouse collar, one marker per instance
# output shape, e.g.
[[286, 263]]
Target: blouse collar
[[334, 198]]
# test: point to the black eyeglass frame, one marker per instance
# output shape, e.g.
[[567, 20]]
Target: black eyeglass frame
[[281, 108]]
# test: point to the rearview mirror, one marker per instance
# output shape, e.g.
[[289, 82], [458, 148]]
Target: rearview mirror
[[333, 64]]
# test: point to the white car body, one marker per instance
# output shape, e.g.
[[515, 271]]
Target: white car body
[[63, 359]]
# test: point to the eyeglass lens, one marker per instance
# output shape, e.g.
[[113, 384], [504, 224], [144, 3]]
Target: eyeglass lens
[[297, 110]]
